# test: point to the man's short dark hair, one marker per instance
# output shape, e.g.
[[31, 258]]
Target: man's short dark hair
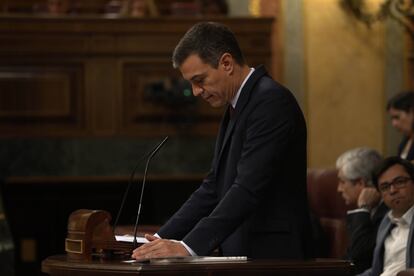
[[388, 163], [208, 40], [402, 101]]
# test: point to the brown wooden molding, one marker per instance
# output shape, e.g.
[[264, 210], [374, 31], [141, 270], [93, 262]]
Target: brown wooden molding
[[82, 76], [16, 180]]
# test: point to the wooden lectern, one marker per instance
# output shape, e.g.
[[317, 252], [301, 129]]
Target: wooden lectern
[[89, 233]]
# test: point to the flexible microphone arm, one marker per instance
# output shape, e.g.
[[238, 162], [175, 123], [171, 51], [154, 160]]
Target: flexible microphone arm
[[131, 178], [143, 186]]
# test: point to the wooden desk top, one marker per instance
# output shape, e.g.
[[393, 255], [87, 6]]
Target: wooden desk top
[[59, 265]]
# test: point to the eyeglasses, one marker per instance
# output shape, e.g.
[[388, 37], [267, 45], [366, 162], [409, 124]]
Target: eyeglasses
[[398, 183]]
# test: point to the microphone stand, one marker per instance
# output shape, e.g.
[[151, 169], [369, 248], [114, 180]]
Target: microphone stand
[[131, 179], [143, 186]]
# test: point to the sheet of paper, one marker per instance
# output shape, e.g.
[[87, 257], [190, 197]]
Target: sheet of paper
[[191, 259], [129, 238], [199, 259]]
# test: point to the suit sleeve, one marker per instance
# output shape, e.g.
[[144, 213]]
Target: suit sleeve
[[199, 205], [362, 233], [367, 272], [268, 131]]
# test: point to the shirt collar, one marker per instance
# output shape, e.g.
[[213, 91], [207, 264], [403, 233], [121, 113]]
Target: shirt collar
[[236, 97], [406, 218]]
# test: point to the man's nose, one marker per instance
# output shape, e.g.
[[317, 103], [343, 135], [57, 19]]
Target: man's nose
[[197, 90], [393, 189], [394, 123]]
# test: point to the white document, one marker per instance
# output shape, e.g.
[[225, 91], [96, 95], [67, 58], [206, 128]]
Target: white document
[[129, 238], [191, 259], [200, 259]]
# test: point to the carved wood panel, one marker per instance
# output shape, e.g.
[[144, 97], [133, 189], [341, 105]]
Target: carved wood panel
[[91, 76], [41, 97], [409, 68], [152, 104]]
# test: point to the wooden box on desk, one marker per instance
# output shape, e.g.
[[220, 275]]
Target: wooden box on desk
[[89, 233]]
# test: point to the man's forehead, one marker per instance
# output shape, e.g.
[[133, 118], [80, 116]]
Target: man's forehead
[[392, 172], [340, 173], [192, 67], [193, 76]]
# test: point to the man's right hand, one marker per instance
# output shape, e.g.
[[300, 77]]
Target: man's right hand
[[369, 198]]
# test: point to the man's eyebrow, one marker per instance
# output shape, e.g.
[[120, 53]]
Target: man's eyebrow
[[193, 78], [394, 179]]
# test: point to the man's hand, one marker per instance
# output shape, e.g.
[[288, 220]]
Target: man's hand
[[157, 248], [368, 198]]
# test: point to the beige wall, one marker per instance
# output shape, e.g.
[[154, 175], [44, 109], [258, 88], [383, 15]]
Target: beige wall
[[337, 68], [345, 82]]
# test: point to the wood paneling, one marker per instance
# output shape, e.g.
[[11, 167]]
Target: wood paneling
[[37, 208], [142, 112], [77, 6], [42, 98], [87, 76], [409, 64]]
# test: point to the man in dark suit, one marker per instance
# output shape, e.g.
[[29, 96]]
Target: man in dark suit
[[394, 249], [253, 201], [355, 168]]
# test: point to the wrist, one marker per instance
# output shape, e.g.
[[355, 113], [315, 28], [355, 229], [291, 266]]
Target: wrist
[[365, 206]]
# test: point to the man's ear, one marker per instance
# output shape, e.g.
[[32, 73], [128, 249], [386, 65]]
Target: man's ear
[[227, 63]]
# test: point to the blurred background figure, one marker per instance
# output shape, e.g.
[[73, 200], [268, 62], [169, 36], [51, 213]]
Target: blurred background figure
[[115, 7], [401, 110], [134, 8], [142, 8], [6, 245], [58, 6], [214, 7]]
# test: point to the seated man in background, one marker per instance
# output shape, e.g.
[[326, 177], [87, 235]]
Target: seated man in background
[[394, 247], [355, 168]]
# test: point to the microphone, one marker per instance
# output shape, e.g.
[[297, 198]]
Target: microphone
[[148, 155], [143, 186]]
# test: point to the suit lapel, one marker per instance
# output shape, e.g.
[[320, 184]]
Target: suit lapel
[[410, 155], [378, 260], [223, 127], [241, 103], [410, 247], [380, 213]]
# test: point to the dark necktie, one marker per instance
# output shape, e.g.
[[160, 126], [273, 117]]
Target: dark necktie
[[231, 111]]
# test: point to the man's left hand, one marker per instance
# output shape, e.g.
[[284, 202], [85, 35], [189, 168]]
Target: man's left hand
[[158, 248]]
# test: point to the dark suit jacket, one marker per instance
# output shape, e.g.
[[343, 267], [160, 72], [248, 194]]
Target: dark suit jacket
[[362, 232], [410, 155], [378, 259], [253, 201]]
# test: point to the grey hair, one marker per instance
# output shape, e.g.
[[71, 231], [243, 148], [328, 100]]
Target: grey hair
[[358, 163]]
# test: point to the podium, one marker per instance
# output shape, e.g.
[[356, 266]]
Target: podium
[[61, 265], [90, 235]]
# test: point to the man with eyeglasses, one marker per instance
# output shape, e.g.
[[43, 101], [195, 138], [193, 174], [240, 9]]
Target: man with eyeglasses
[[394, 250]]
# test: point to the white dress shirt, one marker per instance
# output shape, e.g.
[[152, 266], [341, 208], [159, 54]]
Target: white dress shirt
[[395, 245]]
